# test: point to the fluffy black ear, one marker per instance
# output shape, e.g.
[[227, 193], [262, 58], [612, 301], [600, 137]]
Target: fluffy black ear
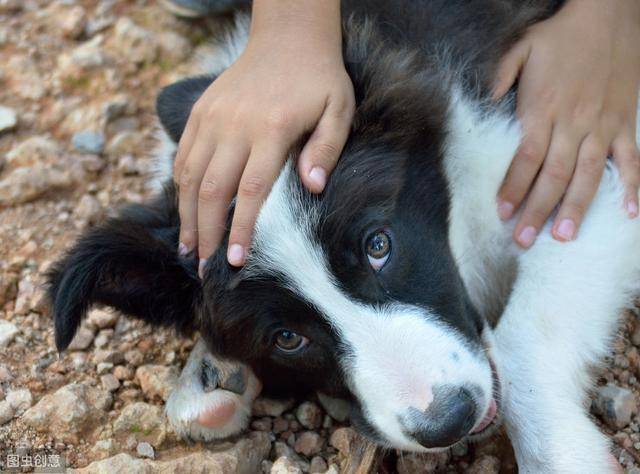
[[174, 103], [130, 263]]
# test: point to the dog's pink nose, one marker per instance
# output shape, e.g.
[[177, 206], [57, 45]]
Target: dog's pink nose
[[217, 416]]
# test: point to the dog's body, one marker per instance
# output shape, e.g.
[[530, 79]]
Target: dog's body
[[388, 279]]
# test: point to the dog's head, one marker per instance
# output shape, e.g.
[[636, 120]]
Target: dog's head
[[354, 293]]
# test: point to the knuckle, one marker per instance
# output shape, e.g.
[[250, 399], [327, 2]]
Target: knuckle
[[576, 208], [278, 120], [530, 155], [187, 180], [592, 165], [325, 152], [557, 171], [252, 187], [537, 215], [210, 191]]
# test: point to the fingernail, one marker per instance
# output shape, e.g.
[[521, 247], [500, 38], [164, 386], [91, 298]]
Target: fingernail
[[201, 265], [235, 255], [505, 209], [527, 236], [318, 176], [632, 209], [182, 249], [566, 230]]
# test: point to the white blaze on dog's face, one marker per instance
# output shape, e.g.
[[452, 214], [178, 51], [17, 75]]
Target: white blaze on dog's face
[[370, 308]]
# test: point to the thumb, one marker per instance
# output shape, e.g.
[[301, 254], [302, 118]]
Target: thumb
[[509, 69], [322, 151]]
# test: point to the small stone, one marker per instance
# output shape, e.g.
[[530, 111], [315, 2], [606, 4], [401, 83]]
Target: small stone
[[104, 448], [88, 56], [337, 408], [134, 357], [6, 412], [341, 439], [145, 450], [485, 465], [127, 164], [103, 338], [8, 332], [108, 355], [104, 367], [615, 405], [88, 209], [133, 42], [308, 443], [110, 382], [422, 463], [142, 420], [284, 465], [280, 425], [263, 424], [269, 407], [88, 141], [82, 339], [26, 184], [309, 415], [73, 21], [318, 465], [102, 318], [123, 373], [8, 119], [157, 381], [20, 400], [37, 149]]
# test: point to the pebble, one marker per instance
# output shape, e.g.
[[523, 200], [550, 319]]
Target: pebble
[[485, 465], [262, 424], [82, 339], [8, 332], [309, 415], [88, 209], [308, 443], [108, 355], [421, 463], [157, 381], [104, 448], [8, 119], [110, 382], [36, 149], [337, 408], [284, 465], [142, 419], [134, 357], [342, 438], [88, 141], [73, 21], [133, 42], [318, 465], [20, 400], [26, 184], [145, 450], [102, 318], [123, 373], [615, 405], [269, 407], [6, 412]]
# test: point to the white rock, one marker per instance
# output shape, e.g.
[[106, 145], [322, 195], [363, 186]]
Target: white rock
[[284, 465], [20, 400], [8, 119], [33, 150], [26, 184], [82, 339], [102, 318], [6, 412], [133, 42], [615, 405], [157, 381], [8, 332], [145, 450]]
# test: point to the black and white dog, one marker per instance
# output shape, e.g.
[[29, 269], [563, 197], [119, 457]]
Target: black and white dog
[[399, 288]]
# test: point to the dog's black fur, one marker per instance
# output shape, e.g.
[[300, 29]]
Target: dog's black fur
[[402, 57]]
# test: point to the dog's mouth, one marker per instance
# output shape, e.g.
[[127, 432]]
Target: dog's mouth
[[491, 418]]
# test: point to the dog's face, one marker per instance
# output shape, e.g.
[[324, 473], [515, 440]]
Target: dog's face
[[354, 293]]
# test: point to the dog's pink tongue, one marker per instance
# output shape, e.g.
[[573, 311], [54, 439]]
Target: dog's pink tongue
[[217, 416], [491, 414]]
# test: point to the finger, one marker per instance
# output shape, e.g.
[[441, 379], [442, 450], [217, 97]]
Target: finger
[[627, 158], [184, 147], [592, 158], [550, 185], [509, 69], [525, 165], [322, 151], [218, 187], [261, 171], [191, 175]]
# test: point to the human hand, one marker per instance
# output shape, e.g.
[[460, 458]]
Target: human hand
[[579, 76], [290, 80]]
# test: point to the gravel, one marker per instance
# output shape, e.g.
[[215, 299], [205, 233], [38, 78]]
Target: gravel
[[79, 82]]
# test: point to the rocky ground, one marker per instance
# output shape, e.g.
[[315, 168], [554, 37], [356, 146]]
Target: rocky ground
[[77, 86]]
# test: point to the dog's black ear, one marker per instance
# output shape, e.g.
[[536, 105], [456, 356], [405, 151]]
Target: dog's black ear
[[130, 263], [174, 103]]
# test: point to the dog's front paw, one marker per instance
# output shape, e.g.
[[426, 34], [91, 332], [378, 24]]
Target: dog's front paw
[[213, 398]]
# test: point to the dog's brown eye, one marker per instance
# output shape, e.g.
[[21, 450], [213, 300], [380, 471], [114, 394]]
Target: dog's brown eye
[[378, 247], [290, 342]]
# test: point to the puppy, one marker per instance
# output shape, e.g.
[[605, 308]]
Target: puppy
[[399, 288]]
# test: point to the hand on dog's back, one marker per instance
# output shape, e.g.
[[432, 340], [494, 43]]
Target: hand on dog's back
[[289, 81]]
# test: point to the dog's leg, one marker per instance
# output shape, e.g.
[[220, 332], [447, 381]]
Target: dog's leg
[[213, 397], [559, 321]]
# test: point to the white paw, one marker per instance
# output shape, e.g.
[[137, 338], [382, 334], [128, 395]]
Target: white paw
[[213, 397]]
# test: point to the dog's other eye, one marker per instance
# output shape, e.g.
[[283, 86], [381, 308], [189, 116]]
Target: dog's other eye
[[378, 248], [290, 342]]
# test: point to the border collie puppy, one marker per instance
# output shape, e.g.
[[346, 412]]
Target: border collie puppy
[[399, 288]]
